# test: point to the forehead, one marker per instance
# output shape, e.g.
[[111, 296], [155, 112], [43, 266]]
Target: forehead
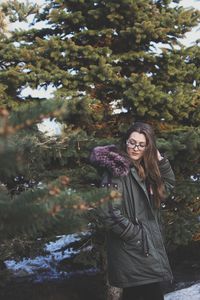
[[138, 137]]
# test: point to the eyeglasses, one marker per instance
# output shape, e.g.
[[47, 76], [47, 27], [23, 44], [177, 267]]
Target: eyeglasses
[[132, 144]]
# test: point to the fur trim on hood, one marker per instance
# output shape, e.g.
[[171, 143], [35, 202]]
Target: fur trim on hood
[[110, 157]]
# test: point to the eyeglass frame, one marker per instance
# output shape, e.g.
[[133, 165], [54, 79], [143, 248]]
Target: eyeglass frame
[[133, 146]]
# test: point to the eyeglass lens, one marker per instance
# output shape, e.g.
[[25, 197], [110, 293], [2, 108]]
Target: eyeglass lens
[[133, 145]]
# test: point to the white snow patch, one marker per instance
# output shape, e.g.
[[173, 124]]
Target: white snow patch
[[45, 266], [191, 293]]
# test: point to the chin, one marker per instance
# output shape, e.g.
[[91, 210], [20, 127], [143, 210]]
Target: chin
[[135, 157]]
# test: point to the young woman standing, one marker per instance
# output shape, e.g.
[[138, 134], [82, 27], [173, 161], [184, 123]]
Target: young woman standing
[[136, 256]]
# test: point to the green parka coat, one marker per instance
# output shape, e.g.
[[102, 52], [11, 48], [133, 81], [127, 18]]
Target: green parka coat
[[135, 250]]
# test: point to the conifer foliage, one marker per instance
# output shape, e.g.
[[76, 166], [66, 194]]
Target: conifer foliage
[[110, 63]]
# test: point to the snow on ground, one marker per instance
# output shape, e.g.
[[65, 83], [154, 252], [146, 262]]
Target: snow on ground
[[190, 293], [45, 267]]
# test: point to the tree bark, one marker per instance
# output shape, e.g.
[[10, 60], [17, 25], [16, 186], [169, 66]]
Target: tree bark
[[114, 293]]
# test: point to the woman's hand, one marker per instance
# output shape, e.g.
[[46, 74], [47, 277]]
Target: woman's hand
[[160, 157]]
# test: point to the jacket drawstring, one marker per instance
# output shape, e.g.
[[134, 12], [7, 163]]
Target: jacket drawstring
[[145, 243]]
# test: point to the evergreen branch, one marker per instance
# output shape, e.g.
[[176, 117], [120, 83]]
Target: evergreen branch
[[18, 11], [39, 210], [9, 129]]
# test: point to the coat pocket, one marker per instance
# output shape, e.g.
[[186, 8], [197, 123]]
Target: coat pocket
[[134, 241]]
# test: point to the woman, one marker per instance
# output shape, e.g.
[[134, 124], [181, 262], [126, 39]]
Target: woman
[[137, 260]]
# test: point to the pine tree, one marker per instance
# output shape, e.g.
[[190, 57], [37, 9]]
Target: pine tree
[[111, 63]]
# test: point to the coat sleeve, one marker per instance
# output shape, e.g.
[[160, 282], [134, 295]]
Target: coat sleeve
[[111, 216], [167, 174]]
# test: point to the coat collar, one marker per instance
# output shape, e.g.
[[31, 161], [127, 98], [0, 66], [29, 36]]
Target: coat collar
[[140, 182], [143, 186]]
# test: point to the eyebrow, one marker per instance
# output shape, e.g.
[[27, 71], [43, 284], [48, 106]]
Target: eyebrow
[[137, 141]]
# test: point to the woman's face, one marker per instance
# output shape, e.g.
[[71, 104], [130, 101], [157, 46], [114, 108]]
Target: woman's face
[[136, 145]]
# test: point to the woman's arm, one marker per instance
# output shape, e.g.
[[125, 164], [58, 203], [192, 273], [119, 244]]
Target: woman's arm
[[166, 172]]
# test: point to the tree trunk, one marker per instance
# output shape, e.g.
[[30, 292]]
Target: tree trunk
[[114, 293]]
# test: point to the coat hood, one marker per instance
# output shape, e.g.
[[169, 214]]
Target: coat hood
[[112, 159]]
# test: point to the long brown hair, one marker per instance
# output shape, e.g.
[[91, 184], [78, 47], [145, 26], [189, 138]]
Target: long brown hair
[[147, 166]]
